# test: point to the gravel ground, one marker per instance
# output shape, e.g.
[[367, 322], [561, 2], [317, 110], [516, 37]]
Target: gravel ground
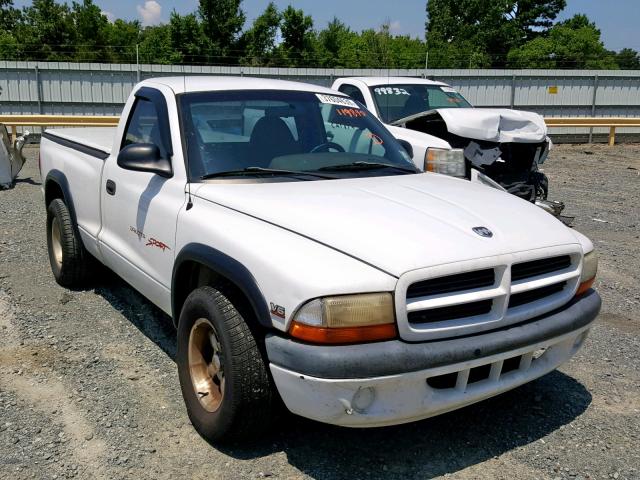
[[88, 384]]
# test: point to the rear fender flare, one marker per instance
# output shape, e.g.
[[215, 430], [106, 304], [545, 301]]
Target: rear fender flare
[[60, 180]]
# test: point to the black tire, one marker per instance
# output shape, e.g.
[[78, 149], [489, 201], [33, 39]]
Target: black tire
[[71, 264], [245, 409]]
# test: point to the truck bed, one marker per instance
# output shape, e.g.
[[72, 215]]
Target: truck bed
[[98, 138]]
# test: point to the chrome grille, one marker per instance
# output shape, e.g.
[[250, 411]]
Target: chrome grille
[[479, 295], [463, 310], [535, 268], [452, 283]]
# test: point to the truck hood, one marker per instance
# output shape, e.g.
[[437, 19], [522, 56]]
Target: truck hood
[[396, 223], [491, 124]]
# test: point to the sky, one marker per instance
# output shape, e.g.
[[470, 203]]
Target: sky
[[617, 19]]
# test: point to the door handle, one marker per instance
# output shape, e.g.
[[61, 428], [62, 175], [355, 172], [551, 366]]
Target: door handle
[[111, 187]]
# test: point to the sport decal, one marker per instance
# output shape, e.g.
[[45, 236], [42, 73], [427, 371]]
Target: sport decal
[[158, 244], [151, 242]]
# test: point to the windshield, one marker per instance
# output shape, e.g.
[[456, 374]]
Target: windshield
[[400, 101], [280, 133]]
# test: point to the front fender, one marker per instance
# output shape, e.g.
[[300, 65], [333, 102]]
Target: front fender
[[223, 265]]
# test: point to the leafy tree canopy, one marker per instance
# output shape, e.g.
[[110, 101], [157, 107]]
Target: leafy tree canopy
[[574, 43], [460, 34], [487, 29]]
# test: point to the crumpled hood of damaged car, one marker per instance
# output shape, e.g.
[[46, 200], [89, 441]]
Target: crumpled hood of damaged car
[[492, 124], [396, 223]]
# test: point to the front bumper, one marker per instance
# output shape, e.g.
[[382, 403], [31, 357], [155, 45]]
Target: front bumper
[[396, 382]]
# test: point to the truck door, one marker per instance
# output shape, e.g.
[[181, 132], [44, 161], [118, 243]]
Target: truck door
[[140, 208]]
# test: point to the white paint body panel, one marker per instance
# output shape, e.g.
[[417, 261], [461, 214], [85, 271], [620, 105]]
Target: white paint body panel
[[407, 398], [495, 124], [100, 138], [398, 223]]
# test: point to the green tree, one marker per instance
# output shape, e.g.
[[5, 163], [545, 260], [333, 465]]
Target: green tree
[[9, 48], [47, 31], [532, 18], [297, 37], [487, 29], [259, 42], [222, 21], [628, 59], [9, 15], [337, 45], [155, 46], [91, 32], [187, 37], [574, 43], [122, 38]]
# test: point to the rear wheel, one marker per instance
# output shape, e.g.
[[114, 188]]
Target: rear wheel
[[71, 264], [224, 379]]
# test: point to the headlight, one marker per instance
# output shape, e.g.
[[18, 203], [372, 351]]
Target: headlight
[[589, 270], [446, 162], [345, 319]]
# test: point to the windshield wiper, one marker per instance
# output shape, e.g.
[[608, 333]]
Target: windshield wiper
[[355, 166], [253, 171]]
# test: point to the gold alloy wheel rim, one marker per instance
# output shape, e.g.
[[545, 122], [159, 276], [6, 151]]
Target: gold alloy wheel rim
[[205, 365], [56, 242]]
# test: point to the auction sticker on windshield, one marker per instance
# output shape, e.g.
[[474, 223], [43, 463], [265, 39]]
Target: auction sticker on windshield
[[334, 100], [391, 91]]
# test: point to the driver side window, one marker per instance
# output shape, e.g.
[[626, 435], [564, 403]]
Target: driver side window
[[143, 126], [353, 91]]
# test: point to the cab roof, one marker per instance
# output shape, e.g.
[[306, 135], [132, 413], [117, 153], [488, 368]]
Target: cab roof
[[186, 84], [377, 81]]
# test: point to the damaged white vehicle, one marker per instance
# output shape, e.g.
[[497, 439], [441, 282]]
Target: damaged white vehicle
[[11, 158], [499, 147]]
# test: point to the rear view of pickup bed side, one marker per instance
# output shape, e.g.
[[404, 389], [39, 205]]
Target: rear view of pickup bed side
[[304, 258]]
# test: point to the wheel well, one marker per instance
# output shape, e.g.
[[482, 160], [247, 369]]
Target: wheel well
[[191, 275], [52, 191]]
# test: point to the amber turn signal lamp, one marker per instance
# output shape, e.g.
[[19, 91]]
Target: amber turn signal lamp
[[338, 336]]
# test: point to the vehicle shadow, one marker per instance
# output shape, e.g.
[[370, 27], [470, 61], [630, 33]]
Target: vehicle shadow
[[152, 322], [426, 449], [28, 181], [430, 448]]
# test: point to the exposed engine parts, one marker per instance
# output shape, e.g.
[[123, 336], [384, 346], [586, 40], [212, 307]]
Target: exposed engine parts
[[507, 151]]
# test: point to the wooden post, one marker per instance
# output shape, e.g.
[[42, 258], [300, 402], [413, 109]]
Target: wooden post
[[612, 136], [14, 134]]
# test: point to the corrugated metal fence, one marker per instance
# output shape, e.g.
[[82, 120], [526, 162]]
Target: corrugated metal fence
[[101, 89]]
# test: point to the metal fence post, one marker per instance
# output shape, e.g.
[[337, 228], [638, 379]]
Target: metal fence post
[[513, 92], [138, 62], [38, 89], [593, 103]]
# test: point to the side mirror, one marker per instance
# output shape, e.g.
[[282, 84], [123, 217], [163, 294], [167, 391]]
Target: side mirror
[[144, 157], [407, 146]]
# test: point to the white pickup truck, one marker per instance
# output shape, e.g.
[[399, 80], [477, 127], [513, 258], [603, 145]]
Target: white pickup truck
[[496, 146], [305, 259]]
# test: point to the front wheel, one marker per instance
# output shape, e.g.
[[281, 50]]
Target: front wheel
[[224, 380]]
